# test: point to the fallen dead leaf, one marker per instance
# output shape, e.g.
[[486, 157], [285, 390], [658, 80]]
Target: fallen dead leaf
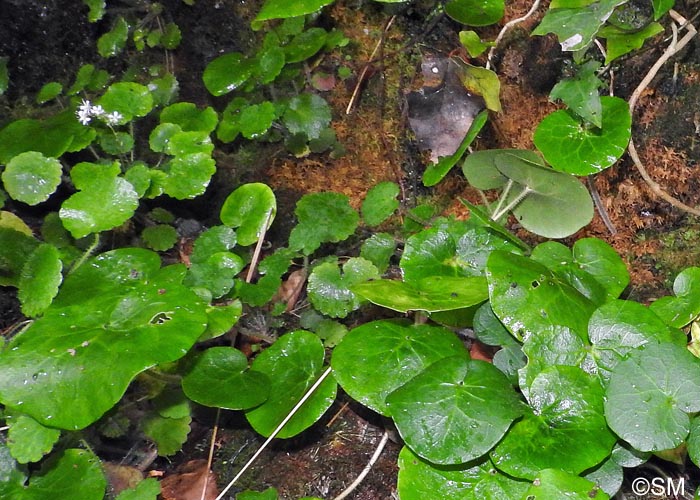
[[187, 483]]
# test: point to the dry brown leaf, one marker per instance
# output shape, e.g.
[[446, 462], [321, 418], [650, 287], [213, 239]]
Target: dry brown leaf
[[122, 477], [187, 483]]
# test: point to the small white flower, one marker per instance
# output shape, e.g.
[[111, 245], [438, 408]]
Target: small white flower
[[84, 112], [113, 118], [97, 111]]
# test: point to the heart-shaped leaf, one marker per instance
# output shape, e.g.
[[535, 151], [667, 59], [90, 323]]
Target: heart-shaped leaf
[[251, 208]]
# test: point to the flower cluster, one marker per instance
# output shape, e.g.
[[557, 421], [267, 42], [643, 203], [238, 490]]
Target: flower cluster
[[86, 112]]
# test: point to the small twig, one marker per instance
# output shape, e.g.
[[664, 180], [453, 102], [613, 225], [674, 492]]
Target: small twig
[[210, 458], [368, 467], [599, 206], [364, 71], [508, 26], [673, 48], [258, 248], [277, 430]]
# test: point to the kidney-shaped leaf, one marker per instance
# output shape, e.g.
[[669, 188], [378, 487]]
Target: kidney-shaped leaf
[[680, 310], [31, 177], [454, 411], [567, 429], [574, 147], [114, 317], [227, 72], [219, 377], [251, 208], [292, 364], [650, 395], [378, 357]]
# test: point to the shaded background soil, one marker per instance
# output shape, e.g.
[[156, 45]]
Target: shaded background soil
[[655, 240]]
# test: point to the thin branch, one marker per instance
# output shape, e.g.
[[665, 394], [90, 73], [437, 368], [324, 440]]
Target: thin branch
[[599, 206], [277, 430], [258, 248], [673, 48], [508, 26], [368, 467], [210, 458]]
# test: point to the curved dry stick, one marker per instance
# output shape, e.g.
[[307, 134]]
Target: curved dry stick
[[508, 26], [673, 48], [378, 451]]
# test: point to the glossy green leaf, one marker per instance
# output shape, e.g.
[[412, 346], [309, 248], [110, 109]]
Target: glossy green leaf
[[480, 216], [607, 476], [16, 245], [147, 489], [570, 146], [256, 119], [661, 7], [580, 93], [115, 316], [619, 327], [651, 394], [39, 280], [619, 42], [104, 199], [546, 192], [113, 42], [480, 166], [626, 456], [454, 411], [216, 273], [378, 357], [566, 429], [305, 45], [482, 82], [183, 143], [251, 208], [378, 249], [323, 217], [116, 143], [292, 364], [220, 377], [531, 300], [694, 440], [684, 307], [576, 27], [271, 60], [435, 172], [475, 12], [279, 9], [227, 72], [188, 176], [221, 319], [230, 125], [160, 136], [330, 291], [169, 434], [420, 479], [555, 483], [189, 117], [27, 439], [380, 203], [272, 268], [128, 98], [471, 41], [307, 114], [48, 92], [32, 135], [171, 36], [164, 90], [31, 177], [431, 294], [160, 237]]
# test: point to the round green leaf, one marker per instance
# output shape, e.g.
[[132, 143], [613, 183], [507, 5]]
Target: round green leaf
[[531, 300], [33, 135], [128, 98], [694, 440], [380, 203], [378, 357], [420, 479], [104, 200], [307, 114], [546, 192], [169, 434], [292, 364], [279, 9], [378, 249], [256, 119], [556, 483], [216, 273], [39, 280], [608, 476], [270, 63], [475, 12], [329, 291], [160, 238], [219, 377], [214, 240], [115, 316], [432, 294], [305, 45], [620, 326], [480, 166], [323, 217], [680, 310], [566, 429], [31, 177], [183, 143], [188, 176], [227, 72], [116, 143], [60, 474], [48, 92], [189, 117], [160, 136], [249, 208], [600, 260], [28, 440], [113, 42], [570, 145], [454, 411], [651, 393]]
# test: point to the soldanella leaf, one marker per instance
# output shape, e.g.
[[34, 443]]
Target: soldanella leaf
[[305, 45], [33, 135], [113, 42], [307, 114], [114, 317], [190, 118], [680, 310], [220, 377], [323, 217], [331, 293], [104, 200], [188, 176], [566, 429], [651, 395], [378, 357], [454, 411], [292, 364], [31, 177], [127, 98], [251, 208], [480, 168], [570, 146]]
